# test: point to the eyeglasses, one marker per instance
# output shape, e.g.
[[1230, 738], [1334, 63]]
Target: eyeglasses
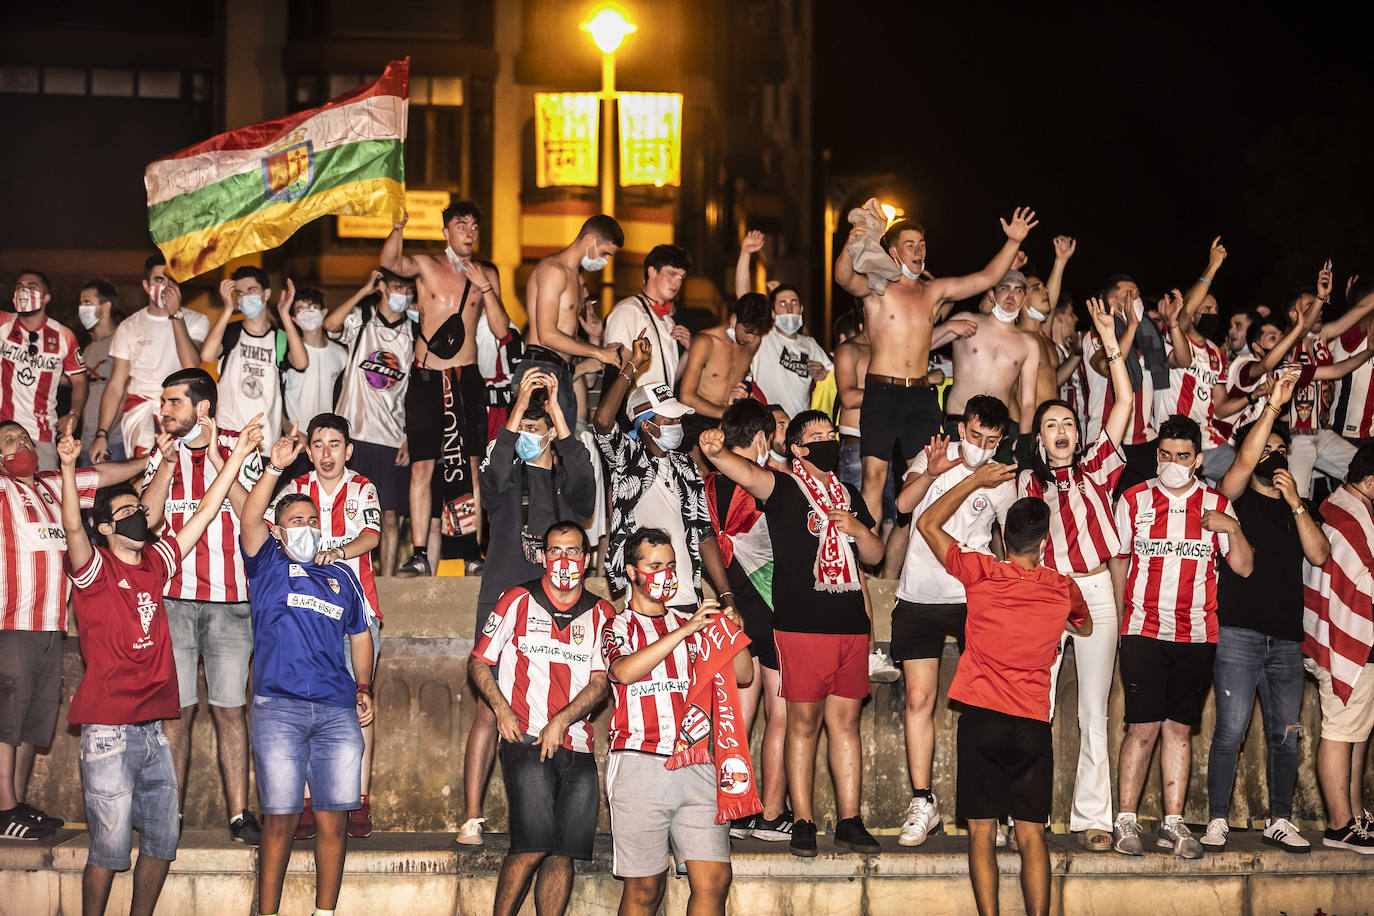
[[563, 551], [120, 513]]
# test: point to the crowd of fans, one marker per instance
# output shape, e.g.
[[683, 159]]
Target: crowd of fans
[[1032, 470]]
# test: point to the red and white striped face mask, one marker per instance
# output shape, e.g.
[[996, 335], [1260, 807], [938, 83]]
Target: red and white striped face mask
[[660, 585], [565, 573], [27, 299]]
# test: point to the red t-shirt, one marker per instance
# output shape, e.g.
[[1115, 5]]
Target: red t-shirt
[[131, 675], [1015, 620]]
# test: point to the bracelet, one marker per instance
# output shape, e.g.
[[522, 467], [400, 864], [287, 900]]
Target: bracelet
[[723, 594], [485, 291], [177, 316], [1250, 399], [364, 687], [1278, 411], [1204, 280], [273, 469], [1113, 357], [101, 432], [1300, 510]]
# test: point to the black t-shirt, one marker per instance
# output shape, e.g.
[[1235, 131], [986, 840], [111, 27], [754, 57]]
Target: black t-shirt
[[1269, 600], [798, 606]]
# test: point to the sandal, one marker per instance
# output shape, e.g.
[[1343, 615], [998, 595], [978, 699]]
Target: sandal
[[1095, 840]]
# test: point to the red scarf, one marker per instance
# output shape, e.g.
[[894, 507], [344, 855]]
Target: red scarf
[[835, 569], [720, 727]]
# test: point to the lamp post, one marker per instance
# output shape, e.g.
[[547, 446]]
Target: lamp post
[[608, 28]]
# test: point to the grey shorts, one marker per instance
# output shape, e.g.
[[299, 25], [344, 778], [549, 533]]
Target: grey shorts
[[652, 805], [30, 685], [219, 632]]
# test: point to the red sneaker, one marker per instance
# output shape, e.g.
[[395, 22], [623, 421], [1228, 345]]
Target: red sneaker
[[306, 829], [360, 821]]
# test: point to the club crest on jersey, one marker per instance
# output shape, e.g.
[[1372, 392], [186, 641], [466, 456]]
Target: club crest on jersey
[[578, 633], [490, 626], [351, 509], [333, 585], [980, 503], [146, 607]]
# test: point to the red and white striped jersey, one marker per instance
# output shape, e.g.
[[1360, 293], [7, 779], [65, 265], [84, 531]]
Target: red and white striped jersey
[[647, 712], [33, 585], [540, 665], [1352, 414], [1338, 617], [1190, 389], [213, 571], [1171, 586], [1082, 530], [1074, 391], [1240, 383], [1305, 408], [1101, 397], [32, 364], [344, 515]]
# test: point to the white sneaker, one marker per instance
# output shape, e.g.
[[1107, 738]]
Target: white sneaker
[[1001, 835], [1280, 832], [470, 834], [1175, 835], [922, 819], [1215, 836], [880, 668]]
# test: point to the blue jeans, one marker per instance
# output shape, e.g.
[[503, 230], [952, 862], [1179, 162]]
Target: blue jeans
[[297, 742], [130, 784], [1245, 660]]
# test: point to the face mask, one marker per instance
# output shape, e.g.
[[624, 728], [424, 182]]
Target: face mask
[[134, 527], [825, 454], [302, 542], [88, 315], [1035, 314], [155, 297], [775, 457], [310, 319], [592, 265], [529, 446], [21, 463], [1002, 314], [251, 306], [730, 333], [1175, 476], [1274, 461], [1207, 324], [660, 585], [788, 324], [27, 300], [186, 440], [669, 437], [973, 455], [399, 302], [1139, 308], [565, 573], [413, 315], [910, 274], [761, 459]]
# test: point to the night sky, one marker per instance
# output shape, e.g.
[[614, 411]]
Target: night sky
[[1143, 131]]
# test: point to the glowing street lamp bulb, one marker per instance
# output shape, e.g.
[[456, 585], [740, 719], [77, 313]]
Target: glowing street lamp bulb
[[890, 212], [608, 29]]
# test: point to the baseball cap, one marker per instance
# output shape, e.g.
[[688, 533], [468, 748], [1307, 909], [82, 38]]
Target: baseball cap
[[1013, 278], [655, 399]]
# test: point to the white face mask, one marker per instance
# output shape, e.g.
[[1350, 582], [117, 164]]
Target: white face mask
[[775, 457], [1175, 476], [1002, 314], [910, 274], [669, 437], [592, 265], [88, 315], [251, 306], [1036, 315], [730, 333], [310, 319], [973, 455], [788, 323], [302, 542], [1139, 308], [399, 302]]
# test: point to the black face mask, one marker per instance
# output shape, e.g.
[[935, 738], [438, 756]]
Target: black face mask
[[134, 527], [1266, 467], [825, 454], [1207, 325]]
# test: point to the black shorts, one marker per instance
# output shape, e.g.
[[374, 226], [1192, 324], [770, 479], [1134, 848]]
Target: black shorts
[[758, 626], [919, 630], [425, 419], [1006, 767], [378, 464], [896, 417], [552, 803], [1165, 680], [30, 685]]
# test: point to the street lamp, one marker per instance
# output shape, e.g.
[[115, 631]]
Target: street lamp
[[608, 27]]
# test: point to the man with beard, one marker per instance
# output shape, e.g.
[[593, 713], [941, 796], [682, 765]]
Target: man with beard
[[36, 353], [999, 360], [718, 360]]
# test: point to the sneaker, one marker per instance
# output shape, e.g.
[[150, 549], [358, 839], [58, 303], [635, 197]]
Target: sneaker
[[1352, 837], [742, 828], [1126, 836], [39, 817], [1215, 835], [880, 668], [17, 826], [776, 830], [1280, 832], [360, 821], [415, 566], [922, 819], [851, 834], [245, 829], [306, 829], [1365, 820], [470, 834], [803, 842], [1011, 836], [1002, 840], [1175, 835]]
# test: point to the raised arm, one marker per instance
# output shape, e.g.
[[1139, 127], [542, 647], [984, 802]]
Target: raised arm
[[253, 531], [110, 402], [250, 437], [757, 481], [334, 320], [923, 473], [214, 341], [931, 523], [1237, 476], [1192, 301], [848, 279], [78, 541], [744, 277], [1064, 247], [393, 258], [1297, 332], [296, 354], [1171, 309], [188, 351], [1022, 222], [1353, 315], [1118, 420], [630, 366], [1342, 368]]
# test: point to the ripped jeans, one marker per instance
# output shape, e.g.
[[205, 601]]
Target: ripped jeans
[[1246, 660]]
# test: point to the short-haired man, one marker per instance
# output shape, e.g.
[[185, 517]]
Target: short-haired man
[[717, 369], [97, 313], [130, 684], [999, 360], [543, 638], [648, 651], [1018, 610], [148, 346], [312, 683], [931, 601], [36, 353], [787, 362], [650, 312], [1172, 530], [309, 392], [207, 599], [350, 529]]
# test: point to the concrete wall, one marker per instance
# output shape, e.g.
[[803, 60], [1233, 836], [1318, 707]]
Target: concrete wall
[[425, 712]]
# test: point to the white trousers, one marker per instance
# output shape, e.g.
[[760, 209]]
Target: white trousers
[[1326, 451], [1095, 657]]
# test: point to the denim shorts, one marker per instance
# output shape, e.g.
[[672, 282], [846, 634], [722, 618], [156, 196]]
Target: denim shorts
[[130, 784], [296, 742], [552, 802], [222, 634]]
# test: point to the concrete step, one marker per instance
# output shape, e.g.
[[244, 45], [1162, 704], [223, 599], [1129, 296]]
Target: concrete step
[[427, 873]]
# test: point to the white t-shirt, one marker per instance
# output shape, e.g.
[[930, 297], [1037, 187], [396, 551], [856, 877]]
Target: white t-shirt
[[375, 379], [779, 369], [147, 342], [924, 579], [627, 321], [98, 366], [661, 507], [311, 392], [250, 380]]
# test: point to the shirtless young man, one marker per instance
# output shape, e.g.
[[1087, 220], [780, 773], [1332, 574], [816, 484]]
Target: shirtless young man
[[1041, 300], [554, 298], [999, 360], [719, 358], [453, 292], [900, 405]]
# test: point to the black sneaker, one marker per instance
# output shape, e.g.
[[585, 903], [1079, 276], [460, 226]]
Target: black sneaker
[[851, 834], [15, 825], [39, 817], [742, 828], [245, 829], [803, 842], [776, 830], [1352, 837], [415, 566]]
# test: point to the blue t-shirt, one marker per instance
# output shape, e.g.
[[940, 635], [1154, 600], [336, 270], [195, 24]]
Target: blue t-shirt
[[302, 613]]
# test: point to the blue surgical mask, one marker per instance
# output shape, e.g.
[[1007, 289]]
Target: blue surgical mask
[[251, 306], [186, 440], [302, 542], [413, 315], [529, 446], [399, 302]]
